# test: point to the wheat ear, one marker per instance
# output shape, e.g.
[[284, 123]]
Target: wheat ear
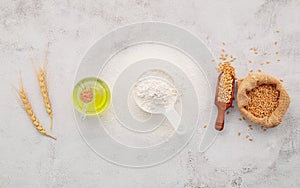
[[44, 89], [30, 113]]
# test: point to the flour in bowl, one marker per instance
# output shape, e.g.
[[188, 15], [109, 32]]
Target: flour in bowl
[[154, 94]]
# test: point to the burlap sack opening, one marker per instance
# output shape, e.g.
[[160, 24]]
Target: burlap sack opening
[[253, 81]]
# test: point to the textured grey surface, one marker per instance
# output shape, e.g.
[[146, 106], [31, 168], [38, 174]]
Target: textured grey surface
[[29, 160]]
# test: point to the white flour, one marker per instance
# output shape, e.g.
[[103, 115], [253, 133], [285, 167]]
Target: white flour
[[154, 94]]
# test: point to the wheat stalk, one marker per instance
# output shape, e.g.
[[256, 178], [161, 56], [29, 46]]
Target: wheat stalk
[[30, 113], [44, 89]]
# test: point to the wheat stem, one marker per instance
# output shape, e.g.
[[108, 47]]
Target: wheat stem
[[28, 109], [41, 76], [45, 94]]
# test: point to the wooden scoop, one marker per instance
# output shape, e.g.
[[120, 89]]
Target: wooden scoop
[[222, 106]]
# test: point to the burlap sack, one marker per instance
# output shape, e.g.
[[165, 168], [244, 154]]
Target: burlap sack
[[252, 81]]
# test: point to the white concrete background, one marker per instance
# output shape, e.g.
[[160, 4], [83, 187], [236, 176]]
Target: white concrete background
[[28, 159]]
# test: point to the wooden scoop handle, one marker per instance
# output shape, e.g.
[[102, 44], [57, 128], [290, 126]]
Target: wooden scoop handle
[[220, 120]]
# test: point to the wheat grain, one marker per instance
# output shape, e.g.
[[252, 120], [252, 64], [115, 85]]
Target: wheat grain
[[30, 113]]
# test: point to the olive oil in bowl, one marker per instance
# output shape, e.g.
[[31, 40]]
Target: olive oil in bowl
[[91, 96]]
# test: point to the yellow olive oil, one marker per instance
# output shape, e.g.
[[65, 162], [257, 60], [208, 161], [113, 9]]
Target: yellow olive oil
[[101, 96]]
